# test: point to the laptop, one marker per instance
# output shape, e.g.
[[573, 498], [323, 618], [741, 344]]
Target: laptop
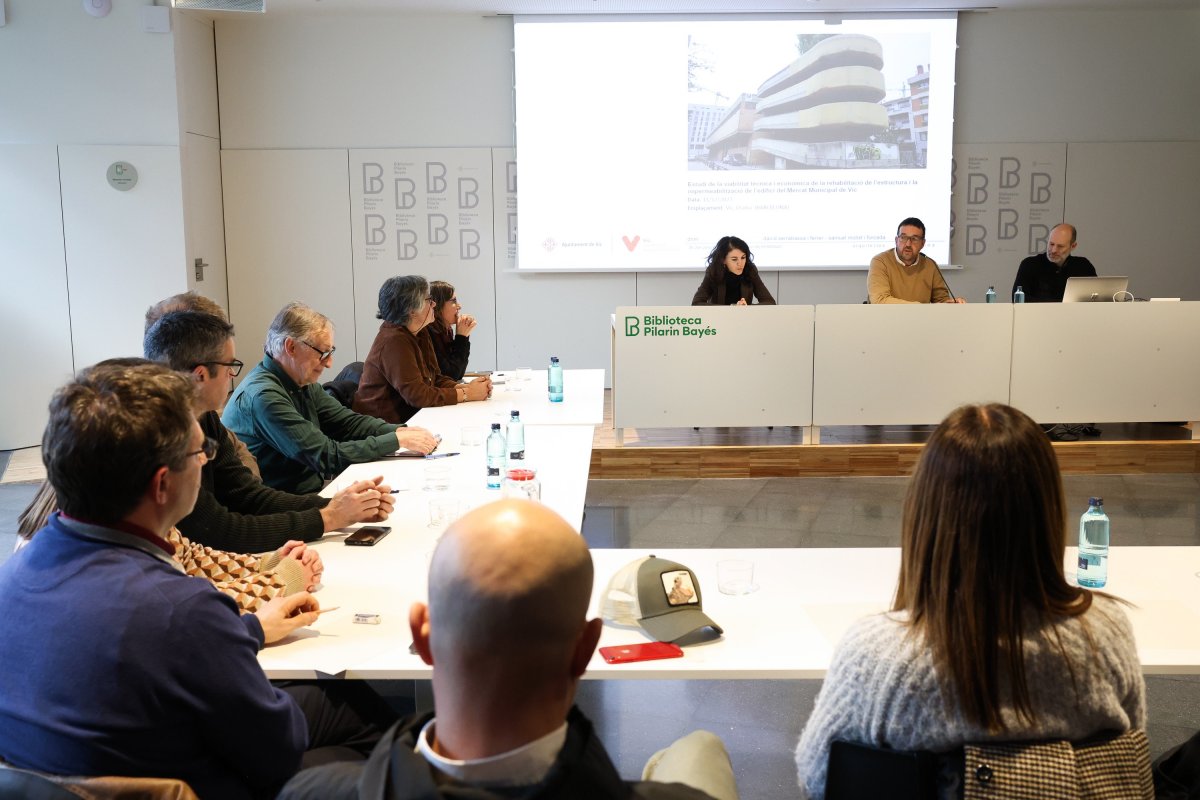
[[1097, 290]]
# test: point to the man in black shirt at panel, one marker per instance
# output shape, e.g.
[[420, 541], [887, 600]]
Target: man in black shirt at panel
[[1044, 277]]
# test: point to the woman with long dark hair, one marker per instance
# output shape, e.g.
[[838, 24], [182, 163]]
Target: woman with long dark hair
[[731, 279], [986, 639]]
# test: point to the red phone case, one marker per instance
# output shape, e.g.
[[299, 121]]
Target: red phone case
[[649, 651]]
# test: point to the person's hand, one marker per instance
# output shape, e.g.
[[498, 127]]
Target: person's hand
[[387, 501], [282, 615], [960, 300], [358, 502], [416, 439], [741, 302], [479, 389], [309, 559], [466, 323]]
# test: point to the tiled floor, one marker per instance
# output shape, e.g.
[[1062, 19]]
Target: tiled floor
[[761, 720]]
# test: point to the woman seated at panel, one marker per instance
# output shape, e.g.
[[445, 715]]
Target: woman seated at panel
[[731, 279], [449, 330], [986, 641], [401, 375]]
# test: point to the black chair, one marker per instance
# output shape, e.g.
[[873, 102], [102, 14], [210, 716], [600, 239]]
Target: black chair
[[1103, 767], [862, 771], [345, 385]]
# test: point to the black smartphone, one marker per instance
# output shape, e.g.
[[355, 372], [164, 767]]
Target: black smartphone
[[368, 535]]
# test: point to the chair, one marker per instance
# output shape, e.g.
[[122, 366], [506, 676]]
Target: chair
[[22, 784], [345, 385], [1104, 768]]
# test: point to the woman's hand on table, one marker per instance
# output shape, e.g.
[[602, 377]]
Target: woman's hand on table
[[479, 389], [309, 559]]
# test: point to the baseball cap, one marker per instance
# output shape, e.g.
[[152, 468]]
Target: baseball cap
[[661, 596]]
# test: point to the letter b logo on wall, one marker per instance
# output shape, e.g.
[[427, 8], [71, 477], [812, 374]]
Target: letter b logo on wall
[[631, 326]]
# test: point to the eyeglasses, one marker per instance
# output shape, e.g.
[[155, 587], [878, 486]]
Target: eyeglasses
[[910, 239], [234, 367], [209, 449], [321, 354]]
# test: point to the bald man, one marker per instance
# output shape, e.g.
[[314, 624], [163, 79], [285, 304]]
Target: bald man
[[507, 634], [1043, 277]]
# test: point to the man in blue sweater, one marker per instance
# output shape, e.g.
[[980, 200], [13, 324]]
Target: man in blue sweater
[[112, 661]]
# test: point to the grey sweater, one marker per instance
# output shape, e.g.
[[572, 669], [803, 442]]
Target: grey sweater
[[882, 689]]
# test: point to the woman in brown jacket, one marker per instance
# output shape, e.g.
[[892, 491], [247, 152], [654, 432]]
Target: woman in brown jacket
[[401, 373]]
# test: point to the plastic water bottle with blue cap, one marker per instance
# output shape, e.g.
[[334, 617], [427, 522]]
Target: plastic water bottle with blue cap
[[1093, 545], [554, 380]]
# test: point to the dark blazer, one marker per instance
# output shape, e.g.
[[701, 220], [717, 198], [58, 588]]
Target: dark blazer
[[712, 288]]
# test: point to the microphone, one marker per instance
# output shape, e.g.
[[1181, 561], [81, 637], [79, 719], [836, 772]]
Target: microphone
[[944, 281]]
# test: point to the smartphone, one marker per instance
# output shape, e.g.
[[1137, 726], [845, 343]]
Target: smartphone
[[368, 535], [649, 651]]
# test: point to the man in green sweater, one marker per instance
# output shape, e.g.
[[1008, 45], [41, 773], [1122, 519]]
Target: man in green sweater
[[234, 510], [300, 435], [905, 274]]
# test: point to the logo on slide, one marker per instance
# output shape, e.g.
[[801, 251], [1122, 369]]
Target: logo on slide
[[549, 244], [631, 244], [631, 326]]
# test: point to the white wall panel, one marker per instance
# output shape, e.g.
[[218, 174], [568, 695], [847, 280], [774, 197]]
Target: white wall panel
[[34, 319], [125, 250], [287, 230]]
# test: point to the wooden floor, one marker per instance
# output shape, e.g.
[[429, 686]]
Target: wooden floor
[[858, 450]]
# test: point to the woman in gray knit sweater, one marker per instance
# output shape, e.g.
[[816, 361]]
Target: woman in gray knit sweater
[[986, 640]]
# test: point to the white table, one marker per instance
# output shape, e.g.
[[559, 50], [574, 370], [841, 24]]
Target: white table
[[786, 630], [583, 403], [753, 365], [561, 454]]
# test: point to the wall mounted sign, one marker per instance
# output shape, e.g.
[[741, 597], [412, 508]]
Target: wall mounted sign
[[122, 176]]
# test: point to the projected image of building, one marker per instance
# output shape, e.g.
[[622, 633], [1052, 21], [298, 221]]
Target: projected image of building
[[729, 143], [823, 110], [701, 121]]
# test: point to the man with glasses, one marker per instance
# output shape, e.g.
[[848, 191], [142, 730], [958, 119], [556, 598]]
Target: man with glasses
[[112, 661], [234, 510], [906, 275], [300, 435]]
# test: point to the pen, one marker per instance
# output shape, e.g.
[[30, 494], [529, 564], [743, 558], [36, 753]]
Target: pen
[[327, 610], [441, 455]]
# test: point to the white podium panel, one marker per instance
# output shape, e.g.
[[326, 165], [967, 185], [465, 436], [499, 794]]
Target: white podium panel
[[908, 364], [684, 366], [1106, 362]]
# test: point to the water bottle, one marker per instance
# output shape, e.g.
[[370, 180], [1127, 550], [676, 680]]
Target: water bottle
[[990, 297], [1093, 545], [554, 380], [516, 438], [1019, 295], [496, 451]]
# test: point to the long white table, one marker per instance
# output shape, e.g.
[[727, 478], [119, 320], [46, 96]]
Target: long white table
[[583, 403], [786, 630], [906, 364]]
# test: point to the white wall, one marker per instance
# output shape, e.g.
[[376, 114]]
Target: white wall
[[343, 82], [200, 149], [75, 79], [80, 90]]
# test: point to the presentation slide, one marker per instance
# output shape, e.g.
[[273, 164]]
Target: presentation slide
[[642, 141]]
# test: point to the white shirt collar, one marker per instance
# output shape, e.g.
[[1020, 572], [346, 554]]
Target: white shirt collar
[[522, 766]]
